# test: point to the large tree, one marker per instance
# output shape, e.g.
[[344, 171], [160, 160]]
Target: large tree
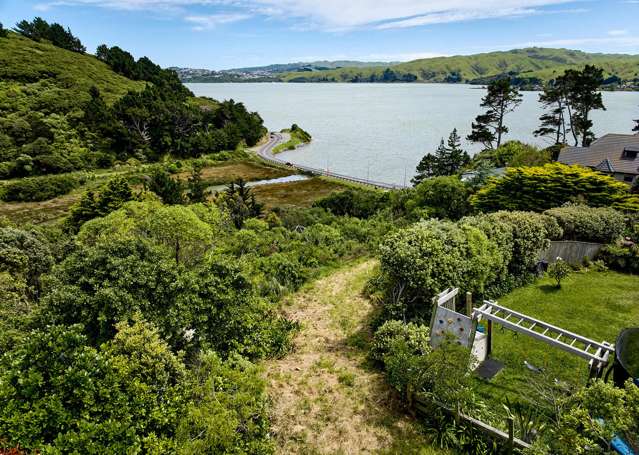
[[553, 122], [448, 159], [489, 127], [583, 96]]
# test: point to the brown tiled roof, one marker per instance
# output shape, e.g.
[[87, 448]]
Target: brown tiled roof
[[606, 153]]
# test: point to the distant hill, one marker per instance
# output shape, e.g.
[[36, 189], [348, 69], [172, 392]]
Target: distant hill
[[527, 67], [269, 73]]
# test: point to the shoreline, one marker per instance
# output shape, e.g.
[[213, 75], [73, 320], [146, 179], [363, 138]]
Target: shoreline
[[265, 152]]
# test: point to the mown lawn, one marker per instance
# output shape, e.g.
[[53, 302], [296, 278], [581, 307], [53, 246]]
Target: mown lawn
[[597, 305]]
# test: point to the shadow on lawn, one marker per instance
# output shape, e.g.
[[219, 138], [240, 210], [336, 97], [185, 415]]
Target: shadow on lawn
[[549, 288]]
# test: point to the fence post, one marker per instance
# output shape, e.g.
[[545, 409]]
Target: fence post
[[511, 435], [489, 338], [469, 304]]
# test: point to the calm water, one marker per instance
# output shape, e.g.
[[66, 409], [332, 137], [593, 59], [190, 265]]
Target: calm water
[[381, 131]]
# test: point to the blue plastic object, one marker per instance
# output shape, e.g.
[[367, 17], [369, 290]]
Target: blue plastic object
[[621, 447]]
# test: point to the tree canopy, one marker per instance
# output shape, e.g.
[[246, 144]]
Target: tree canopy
[[501, 98], [39, 29]]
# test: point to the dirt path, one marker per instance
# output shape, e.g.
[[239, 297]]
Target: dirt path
[[326, 398]]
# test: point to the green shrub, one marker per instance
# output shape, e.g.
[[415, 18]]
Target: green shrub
[[520, 238], [60, 395], [229, 410], [416, 336], [559, 270], [511, 153], [541, 188], [286, 270], [593, 416], [589, 224], [441, 197], [35, 189], [621, 258], [357, 203], [430, 256]]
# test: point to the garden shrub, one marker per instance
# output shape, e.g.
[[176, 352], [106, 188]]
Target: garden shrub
[[416, 336], [621, 258], [511, 153], [593, 416], [559, 270], [520, 237], [552, 185], [34, 189], [430, 256], [589, 224]]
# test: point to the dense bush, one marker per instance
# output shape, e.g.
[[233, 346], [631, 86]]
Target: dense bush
[[358, 203], [39, 188], [420, 261], [441, 197], [520, 238], [59, 395], [552, 185], [416, 336], [589, 224], [511, 153], [621, 258], [229, 410], [593, 416], [93, 205], [24, 254]]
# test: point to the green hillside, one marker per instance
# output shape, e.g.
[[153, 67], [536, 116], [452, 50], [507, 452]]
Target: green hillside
[[27, 64], [527, 66], [64, 111]]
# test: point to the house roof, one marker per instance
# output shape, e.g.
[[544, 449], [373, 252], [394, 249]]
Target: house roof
[[605, 154]]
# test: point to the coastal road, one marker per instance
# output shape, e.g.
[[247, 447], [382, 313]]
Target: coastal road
[[266, 153]]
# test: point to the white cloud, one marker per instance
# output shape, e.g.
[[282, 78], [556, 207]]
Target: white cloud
[[621, 41], [617, 32], [346, 14], [209, 21]]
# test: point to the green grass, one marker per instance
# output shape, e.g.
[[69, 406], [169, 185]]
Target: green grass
[[597, 305], [531, 62]]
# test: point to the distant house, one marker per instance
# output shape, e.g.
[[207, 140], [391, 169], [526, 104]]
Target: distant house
[[614, 154]]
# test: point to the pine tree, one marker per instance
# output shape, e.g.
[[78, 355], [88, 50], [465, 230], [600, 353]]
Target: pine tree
[[456, 157], [447, 160], [553, 123], [583, 96], [488, 128]]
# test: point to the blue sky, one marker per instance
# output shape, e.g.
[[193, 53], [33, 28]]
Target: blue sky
[[220, 34]]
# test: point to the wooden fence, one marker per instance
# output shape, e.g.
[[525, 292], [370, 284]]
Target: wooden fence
[[506, 440]]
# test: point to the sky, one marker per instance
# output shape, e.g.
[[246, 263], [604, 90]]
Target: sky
[[223, 34]]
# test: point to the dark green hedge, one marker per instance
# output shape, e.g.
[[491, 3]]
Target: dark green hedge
[[38, 188]]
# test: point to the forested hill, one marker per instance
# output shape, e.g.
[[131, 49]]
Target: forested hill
[[63, 110], [531, 66]]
